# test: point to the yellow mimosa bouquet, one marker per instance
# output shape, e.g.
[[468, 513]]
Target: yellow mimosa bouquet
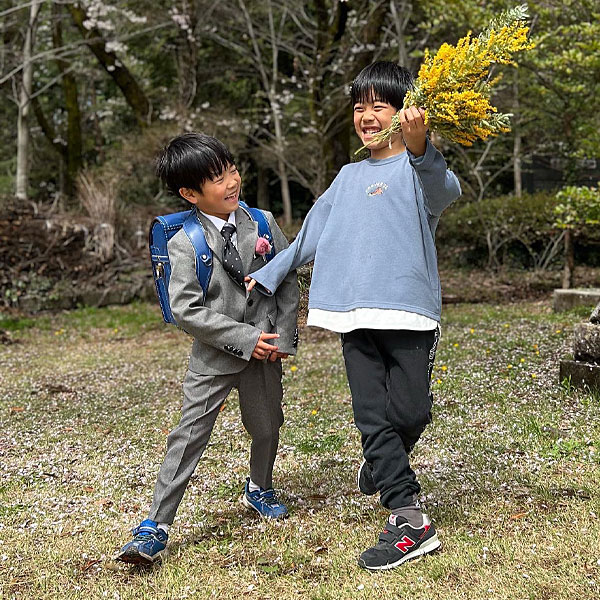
[[454, 86]]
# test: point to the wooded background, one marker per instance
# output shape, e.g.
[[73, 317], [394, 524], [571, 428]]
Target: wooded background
[[91, 90]]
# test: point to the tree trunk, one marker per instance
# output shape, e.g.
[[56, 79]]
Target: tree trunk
[[262, 188], [281, 168], [269, 83], [335, 147], [133, 93], [48, 129], [569, 270], [99, 141], [285, 192], [69, 84], [22, 175], [400, 18], [517, 144], [518, 175], [186, 53]]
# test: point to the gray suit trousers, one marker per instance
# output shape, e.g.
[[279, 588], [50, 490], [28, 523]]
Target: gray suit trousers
[[260, 392]]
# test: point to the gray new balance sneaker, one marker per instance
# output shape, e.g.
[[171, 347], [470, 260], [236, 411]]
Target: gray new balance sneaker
[[399, 542]]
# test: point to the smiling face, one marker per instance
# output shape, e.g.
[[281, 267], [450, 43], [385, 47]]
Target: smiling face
[[370, 117], [219, 196]]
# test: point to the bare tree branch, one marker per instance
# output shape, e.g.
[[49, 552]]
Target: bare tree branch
[[72, 48]]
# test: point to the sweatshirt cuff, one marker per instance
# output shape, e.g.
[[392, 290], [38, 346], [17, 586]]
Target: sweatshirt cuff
[[423, 162], [259, 287], [264, 286]]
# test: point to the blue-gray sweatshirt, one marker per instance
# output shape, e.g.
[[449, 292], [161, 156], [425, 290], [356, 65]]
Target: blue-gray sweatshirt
[[371, 235]]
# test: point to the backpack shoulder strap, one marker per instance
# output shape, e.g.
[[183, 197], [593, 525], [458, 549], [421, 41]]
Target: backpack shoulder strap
[[263, 226], [193, 229]]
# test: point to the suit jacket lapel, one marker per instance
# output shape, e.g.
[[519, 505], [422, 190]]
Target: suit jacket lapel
[[247, 234]]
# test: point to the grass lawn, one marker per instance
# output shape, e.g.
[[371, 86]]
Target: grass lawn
[[510, 468]]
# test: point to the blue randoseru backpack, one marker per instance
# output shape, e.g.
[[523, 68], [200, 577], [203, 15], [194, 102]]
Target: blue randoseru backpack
[[165, 227]]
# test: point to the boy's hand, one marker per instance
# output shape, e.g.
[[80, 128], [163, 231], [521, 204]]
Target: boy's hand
[[275, 355], [414, 130], [262, 349], [250, 285]]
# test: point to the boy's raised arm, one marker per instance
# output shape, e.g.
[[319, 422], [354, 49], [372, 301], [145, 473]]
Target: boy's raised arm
[[440, 185], [185, 295]]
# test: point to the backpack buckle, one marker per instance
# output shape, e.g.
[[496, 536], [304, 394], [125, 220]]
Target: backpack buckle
[[160, 270]]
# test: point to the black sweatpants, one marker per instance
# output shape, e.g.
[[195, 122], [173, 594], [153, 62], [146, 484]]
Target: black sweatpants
[[389, 373]]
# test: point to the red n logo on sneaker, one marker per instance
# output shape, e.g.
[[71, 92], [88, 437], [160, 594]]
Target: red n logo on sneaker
[[404, 544]]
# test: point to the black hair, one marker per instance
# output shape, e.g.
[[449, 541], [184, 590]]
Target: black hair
[[382, 80], [190, 159]]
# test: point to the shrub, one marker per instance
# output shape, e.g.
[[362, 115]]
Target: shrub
[[577, 212], [505, 231]]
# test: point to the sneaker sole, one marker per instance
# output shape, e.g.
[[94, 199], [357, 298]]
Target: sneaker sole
[[429, 546], [243, 500], [366, 493], [141, 559]]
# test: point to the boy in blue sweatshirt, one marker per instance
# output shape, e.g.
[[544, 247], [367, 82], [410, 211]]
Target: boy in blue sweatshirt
[[375, 281]]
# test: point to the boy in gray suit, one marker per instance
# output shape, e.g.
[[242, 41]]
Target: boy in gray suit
[[240, 337]]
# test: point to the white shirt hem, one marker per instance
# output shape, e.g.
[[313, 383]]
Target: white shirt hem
[[369, 318]]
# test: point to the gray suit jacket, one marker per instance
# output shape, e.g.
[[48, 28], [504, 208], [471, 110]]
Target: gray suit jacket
[[227, 325]]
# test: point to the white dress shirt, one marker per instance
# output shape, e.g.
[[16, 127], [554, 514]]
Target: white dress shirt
[[218, 223]]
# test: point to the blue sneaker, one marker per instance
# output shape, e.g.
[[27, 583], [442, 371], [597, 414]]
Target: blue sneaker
[[264, 502], [148, 544]]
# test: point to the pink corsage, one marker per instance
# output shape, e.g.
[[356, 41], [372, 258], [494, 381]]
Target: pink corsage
[[262, 247]]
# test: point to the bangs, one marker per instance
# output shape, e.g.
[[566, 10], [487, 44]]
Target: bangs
[[215, 165], [382, 81], [191, 159], [203, 157]]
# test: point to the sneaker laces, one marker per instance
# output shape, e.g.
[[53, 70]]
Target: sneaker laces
[[143, 531], [269, 497]]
